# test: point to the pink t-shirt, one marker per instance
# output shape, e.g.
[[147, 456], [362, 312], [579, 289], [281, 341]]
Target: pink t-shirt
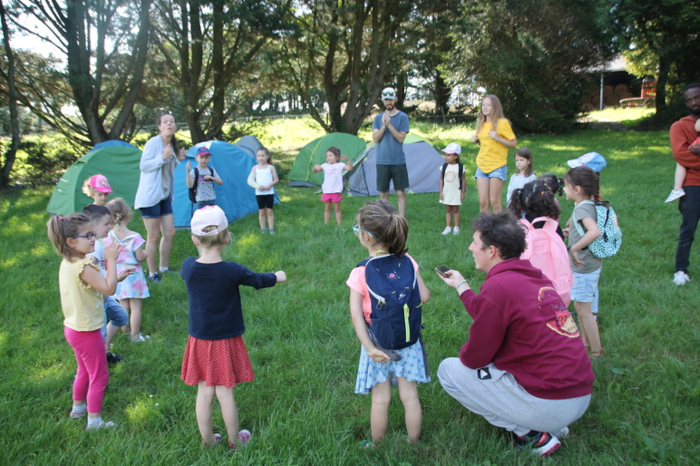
[[357, 282], [332, 177]]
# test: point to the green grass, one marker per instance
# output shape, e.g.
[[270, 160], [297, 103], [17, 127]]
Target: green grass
[[629, 117], [301, 408]]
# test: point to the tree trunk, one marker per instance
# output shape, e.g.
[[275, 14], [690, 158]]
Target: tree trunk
[[11, 154], [664, 67]]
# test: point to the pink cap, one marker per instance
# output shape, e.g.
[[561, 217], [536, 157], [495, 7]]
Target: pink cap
[[208, 216], [100, 184]]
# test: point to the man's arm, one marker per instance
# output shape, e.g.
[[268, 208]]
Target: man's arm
[[684, 151], [486, 333]]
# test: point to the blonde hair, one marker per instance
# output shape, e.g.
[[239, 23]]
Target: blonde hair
[[120, 210], [387, 227], [496, 113], [59, 229], [88, 190], [220, 239]]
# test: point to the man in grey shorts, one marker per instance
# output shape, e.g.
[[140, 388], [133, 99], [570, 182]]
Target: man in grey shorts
[[524, 367], [388, 132]]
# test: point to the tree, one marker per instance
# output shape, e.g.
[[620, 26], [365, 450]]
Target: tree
[[661, 39], [105, 62], [532, 55], [348, 47], [11, 153], [211, 47]]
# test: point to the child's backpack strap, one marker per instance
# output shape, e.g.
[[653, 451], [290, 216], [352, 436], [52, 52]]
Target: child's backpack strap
[[578, 227], [460, 170]]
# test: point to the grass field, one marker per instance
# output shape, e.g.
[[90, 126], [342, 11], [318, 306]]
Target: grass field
[[301, 408]]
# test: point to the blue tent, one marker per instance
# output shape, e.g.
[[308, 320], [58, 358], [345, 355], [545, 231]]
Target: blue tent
[[235, 197]]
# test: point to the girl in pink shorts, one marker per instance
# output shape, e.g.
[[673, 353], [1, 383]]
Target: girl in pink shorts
[[333, 182]]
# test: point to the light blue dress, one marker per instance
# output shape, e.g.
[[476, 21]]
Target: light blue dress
[[411, 367]]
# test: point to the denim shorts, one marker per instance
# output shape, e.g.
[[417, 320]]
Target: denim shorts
[[163, 208], [585, 286], [501, 173], [114, 313], [201, 204]]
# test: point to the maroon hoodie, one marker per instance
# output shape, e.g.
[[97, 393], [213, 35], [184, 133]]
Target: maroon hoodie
[[522, 326]]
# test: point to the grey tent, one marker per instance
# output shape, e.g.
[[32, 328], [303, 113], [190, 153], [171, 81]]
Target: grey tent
[[249, 145], [422, 160]]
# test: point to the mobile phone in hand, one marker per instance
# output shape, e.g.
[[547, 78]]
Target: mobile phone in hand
[[442, 270]]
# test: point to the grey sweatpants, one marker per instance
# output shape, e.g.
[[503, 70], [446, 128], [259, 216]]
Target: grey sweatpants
[[504, 403]]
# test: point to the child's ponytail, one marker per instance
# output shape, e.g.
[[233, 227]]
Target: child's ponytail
[[387, 227], [516, 203], [588, 180], [59, 229]]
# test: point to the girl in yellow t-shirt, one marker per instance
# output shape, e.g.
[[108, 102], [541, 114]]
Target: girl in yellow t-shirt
[[82, 300], [495, 136]]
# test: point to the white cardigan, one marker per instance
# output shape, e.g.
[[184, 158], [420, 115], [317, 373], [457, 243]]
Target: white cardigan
[[150, 191]]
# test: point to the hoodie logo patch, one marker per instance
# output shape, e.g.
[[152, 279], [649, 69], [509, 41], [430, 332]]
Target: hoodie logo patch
[[562, 323]]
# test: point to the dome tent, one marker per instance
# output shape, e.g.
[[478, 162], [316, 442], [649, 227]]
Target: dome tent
[[249, 144], [423, 162], [314, 153], [235, 197], [117, 160]]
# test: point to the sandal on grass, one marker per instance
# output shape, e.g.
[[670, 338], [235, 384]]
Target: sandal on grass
[[244, 437], [101, 425], [217, 440]]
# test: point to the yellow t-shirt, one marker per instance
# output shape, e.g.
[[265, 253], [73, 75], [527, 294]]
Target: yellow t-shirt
[[492, 154], [83, 306]]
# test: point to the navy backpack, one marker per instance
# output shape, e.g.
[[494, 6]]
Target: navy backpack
[[396, 304]]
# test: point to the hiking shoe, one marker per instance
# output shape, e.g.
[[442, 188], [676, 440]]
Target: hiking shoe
[[447, 231], [113, 358], [154, 277], [675, 195], [455, 231], [541, 443], [680, 278]]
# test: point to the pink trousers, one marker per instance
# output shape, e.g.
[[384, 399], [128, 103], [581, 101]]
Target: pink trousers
[[92, 375]]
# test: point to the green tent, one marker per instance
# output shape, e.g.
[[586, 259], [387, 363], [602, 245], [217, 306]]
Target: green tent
[[119, 163], [314, 153]]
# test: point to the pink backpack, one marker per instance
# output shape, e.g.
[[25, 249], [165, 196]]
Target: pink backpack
[[546, 251]]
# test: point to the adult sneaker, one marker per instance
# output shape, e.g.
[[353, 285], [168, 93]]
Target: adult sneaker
[[680, 278], [541, 443]]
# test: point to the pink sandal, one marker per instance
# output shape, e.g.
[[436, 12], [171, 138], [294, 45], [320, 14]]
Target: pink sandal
[[243, 438]]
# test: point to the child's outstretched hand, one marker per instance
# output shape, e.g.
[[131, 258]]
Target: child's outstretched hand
[[125, 273], [575, 260], [281, 276]]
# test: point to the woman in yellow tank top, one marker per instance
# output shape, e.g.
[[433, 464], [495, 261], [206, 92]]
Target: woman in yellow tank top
[[495, 136]]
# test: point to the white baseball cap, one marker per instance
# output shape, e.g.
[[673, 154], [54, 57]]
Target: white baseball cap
[[453, 148], [207, 217], [389, 94]]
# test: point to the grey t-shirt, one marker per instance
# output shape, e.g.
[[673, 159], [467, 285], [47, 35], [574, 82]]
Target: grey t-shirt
[[590, 263], [389, 150], [205, 189]]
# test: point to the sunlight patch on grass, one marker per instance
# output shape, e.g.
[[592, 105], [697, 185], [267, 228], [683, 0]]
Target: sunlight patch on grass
[[142, 410], [250, 240]]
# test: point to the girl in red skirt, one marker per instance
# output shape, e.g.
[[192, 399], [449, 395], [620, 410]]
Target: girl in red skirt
[[215, 357]]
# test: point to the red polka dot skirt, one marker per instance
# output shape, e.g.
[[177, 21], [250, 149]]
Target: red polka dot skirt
[[217, 362]]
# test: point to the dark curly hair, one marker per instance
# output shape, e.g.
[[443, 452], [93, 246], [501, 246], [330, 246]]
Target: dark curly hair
[[534, 200], [501, 230]]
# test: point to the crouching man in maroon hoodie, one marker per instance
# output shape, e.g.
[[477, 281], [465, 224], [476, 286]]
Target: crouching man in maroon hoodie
[[524, 367]]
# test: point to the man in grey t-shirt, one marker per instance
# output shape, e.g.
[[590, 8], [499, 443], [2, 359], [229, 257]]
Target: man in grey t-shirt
[[388, 132]]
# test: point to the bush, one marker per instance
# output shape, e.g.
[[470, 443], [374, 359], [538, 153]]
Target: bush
[[43, 159]]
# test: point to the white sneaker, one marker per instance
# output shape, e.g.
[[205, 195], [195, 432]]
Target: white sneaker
[[680, 278], [455, 231], [675, 195], [447, 231]]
